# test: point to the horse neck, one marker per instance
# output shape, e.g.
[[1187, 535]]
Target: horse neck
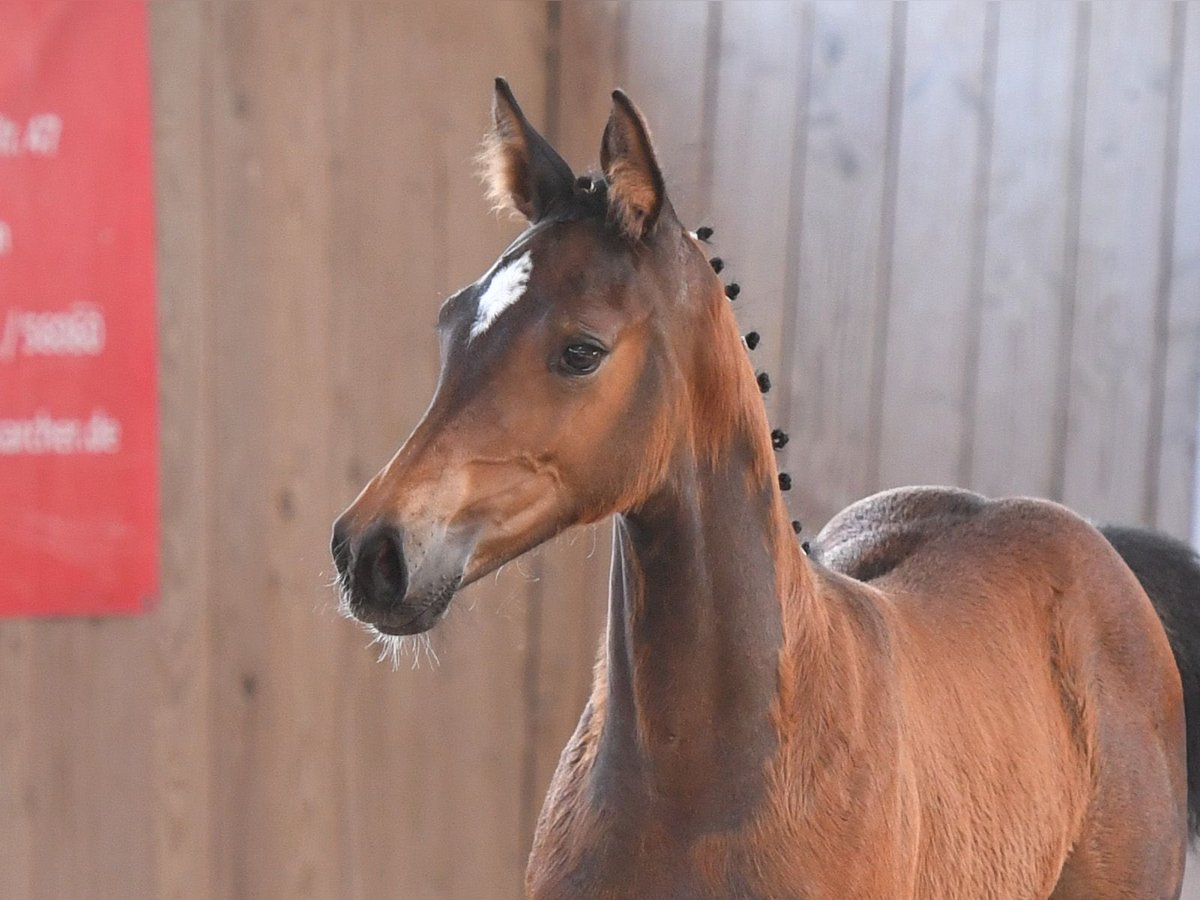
[[708, 593]]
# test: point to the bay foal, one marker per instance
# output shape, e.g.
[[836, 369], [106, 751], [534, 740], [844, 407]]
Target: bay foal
[[952, 697]]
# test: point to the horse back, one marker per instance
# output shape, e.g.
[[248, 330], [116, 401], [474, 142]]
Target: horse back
[[1014, 584], [871, 538]]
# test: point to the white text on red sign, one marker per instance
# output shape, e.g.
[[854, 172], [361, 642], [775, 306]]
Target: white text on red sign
[[39, 136], [76, 331]]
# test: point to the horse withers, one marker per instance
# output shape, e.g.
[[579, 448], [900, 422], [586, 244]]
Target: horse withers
[[949, 697]]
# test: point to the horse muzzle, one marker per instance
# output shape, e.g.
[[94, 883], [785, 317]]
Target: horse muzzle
[[390, 580]]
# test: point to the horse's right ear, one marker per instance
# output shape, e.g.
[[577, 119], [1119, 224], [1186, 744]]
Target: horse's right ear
[[636, 191], [521, 170]]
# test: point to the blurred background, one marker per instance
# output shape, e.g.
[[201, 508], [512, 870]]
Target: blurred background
[[968, 232]]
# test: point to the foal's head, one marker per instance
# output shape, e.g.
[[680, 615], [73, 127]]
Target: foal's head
[[596, 354]]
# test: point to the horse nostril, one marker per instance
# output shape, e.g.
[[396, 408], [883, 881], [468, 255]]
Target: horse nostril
[[339, 546], [379, 570]]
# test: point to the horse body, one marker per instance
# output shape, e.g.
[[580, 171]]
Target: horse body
[[950, 697], [1044, 713], [953, 731]]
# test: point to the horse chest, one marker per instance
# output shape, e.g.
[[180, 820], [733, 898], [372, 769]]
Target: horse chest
[[625, 848], [646, 866], [603, 834], [722, 870], [606, 838]]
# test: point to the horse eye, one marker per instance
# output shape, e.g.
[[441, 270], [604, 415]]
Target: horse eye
[[581, 359]]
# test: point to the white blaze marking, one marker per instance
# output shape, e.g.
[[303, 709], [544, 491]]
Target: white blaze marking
[[506, 288]]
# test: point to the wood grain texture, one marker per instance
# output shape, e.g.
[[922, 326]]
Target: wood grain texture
[[1112, 353], [18, 783], [666, 48], [841, 217], [297, 691], [275, 808], [1178, 480], [182, 653], [758, 160], [1025, 269], [945, 108]]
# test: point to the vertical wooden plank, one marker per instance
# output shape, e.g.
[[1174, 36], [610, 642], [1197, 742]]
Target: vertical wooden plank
[[567, 601], [1179, 467], [387, 262], [179, 44], [434, 756], [840, 266], [762, 73], [87, 797], [52, 769], [277, 784], [589, 37], [666, 45], [1163, 312], [17, 789], [1120, 229], [300, 684], [945, 104], [1024, 271], [237, 527], [115, 823]]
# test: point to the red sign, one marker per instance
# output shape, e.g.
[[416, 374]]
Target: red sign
[[78, 380]]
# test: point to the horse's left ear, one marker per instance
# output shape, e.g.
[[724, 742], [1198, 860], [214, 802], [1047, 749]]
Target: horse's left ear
[[521, 170], [636, 191]]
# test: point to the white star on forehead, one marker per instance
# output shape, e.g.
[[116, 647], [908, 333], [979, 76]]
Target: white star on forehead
[[506, 287]]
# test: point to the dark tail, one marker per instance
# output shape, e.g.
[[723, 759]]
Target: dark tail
[[1169, 571]]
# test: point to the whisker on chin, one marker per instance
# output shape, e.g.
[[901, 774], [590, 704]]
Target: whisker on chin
[[528, 576], [343, 596], [395, 647], [327, 608], [429, 651]]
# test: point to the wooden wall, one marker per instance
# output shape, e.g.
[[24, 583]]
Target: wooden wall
[[971, 237], [968, 230]]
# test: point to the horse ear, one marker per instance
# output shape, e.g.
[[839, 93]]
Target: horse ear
[[636, 191], [521, 170]]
